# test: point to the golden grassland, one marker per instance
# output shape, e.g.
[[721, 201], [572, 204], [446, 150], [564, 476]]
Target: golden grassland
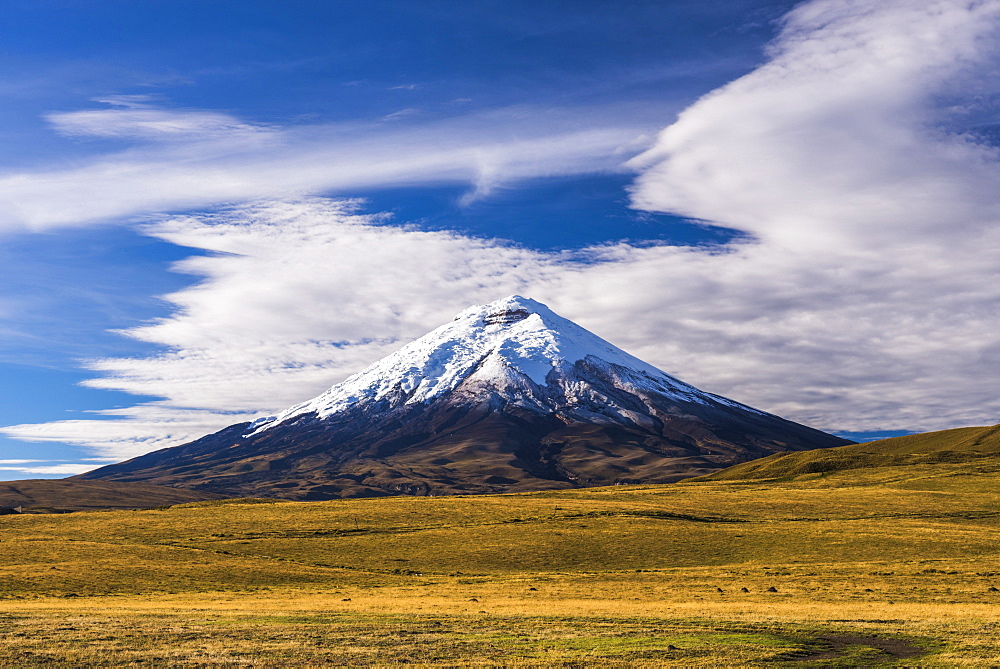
[[868, 567]]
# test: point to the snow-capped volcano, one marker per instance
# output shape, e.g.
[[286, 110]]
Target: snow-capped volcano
[[507, 396], [516, 348]]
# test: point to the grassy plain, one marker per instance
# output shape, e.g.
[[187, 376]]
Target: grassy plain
[[868, 567]]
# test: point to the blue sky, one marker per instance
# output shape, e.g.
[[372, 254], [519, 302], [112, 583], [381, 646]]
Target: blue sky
[[211, 211]]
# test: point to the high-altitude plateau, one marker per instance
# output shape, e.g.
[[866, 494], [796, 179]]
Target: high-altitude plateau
[[507, 397]]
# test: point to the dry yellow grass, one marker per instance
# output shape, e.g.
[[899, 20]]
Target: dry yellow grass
[[625, 576]]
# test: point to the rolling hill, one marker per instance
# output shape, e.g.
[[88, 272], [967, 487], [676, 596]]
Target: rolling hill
[[971, 445]]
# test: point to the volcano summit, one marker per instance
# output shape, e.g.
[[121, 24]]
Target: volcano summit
[[507, 397]]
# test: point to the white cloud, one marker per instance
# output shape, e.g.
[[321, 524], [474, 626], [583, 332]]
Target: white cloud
[[878, 224], [132, 431], [839, 139], [300, 293], [197, 159], [155, 124], [402, 113], [51, 470], [867, 298], [127, 101]]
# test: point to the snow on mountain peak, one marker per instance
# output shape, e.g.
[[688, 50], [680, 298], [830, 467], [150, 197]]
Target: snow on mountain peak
[[510, 340]]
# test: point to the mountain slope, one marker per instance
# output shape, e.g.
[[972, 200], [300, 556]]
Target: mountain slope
[[508, 396], [966, 444]]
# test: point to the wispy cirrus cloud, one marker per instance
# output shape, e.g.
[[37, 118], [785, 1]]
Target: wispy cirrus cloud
[[866, 297], [134, 117], [24, 467], [185, 159], [123, 433], [402, 113]]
